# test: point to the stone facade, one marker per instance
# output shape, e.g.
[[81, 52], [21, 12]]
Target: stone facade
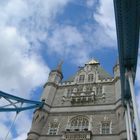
[[87, 106]]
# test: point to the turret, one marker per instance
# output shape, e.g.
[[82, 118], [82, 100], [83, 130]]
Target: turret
[[41, 114], [56, 75], [50, 87], [38, 122], [116, 70]]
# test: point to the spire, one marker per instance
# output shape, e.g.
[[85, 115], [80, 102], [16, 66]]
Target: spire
[[59, 66]]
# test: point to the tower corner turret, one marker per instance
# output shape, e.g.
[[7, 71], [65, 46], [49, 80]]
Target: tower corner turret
[[116, 70], [55, 77]]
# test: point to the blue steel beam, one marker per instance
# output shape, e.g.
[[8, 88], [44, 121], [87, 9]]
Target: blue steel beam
[[6, 95], [18, 109], [127, 14], [17, 100]]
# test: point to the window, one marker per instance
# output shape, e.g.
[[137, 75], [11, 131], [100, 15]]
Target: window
[[53, 128], [90, 77], [79, 123], [105, 128], [99, 89], [81, 78], [69, 92]]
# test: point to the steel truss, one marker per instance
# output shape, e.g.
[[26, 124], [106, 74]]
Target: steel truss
[[127, 15], [17, 104]]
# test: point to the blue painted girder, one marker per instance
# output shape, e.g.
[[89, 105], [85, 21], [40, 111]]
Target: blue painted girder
[[17, 100], [127, 15]]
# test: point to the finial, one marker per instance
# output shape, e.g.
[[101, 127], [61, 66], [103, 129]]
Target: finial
[[92, 62], [59, 66]]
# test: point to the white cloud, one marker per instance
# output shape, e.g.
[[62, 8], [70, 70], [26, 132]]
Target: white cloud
[[76, 45], [23, 123], [3, 132], [22, 136], [105, 17], [138, 102], [137, 83], [138, 72], [19, 69], [23, 25], [31, 18], [5, 124], [98, 39], [90, 3], [69, 43], [66, 36]]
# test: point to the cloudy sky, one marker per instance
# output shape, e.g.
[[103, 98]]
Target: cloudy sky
[[36, 34]]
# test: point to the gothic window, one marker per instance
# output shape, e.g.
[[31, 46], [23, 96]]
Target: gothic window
[[79, 123], [69, 92], [90, 78], [81, 78], [53, 128], [99, 90], [105, 128]]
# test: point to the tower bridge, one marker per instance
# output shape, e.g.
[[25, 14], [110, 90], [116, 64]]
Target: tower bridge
[[105, 111]]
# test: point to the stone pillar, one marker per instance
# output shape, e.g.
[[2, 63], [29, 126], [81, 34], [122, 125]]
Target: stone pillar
[[39, 120]]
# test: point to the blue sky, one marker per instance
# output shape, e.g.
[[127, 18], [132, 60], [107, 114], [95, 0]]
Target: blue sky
[[36, 35]]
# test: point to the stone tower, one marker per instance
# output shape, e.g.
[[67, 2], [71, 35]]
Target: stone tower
[[88, 106]]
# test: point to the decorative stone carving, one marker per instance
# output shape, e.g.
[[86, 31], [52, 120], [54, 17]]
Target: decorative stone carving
[[75, 90], [84, 89]]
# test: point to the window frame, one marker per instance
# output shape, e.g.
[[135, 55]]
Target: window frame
[[53, 128], [80, 123], [105, 127], [90, 77], [81, 78]]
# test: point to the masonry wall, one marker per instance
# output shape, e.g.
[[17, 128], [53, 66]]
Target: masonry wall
[[105, 106], [108, 89]]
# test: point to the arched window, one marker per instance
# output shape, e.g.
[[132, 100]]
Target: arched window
[[81, 78], [90, 78], [53, 128], [79, 123], [105, 127]]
